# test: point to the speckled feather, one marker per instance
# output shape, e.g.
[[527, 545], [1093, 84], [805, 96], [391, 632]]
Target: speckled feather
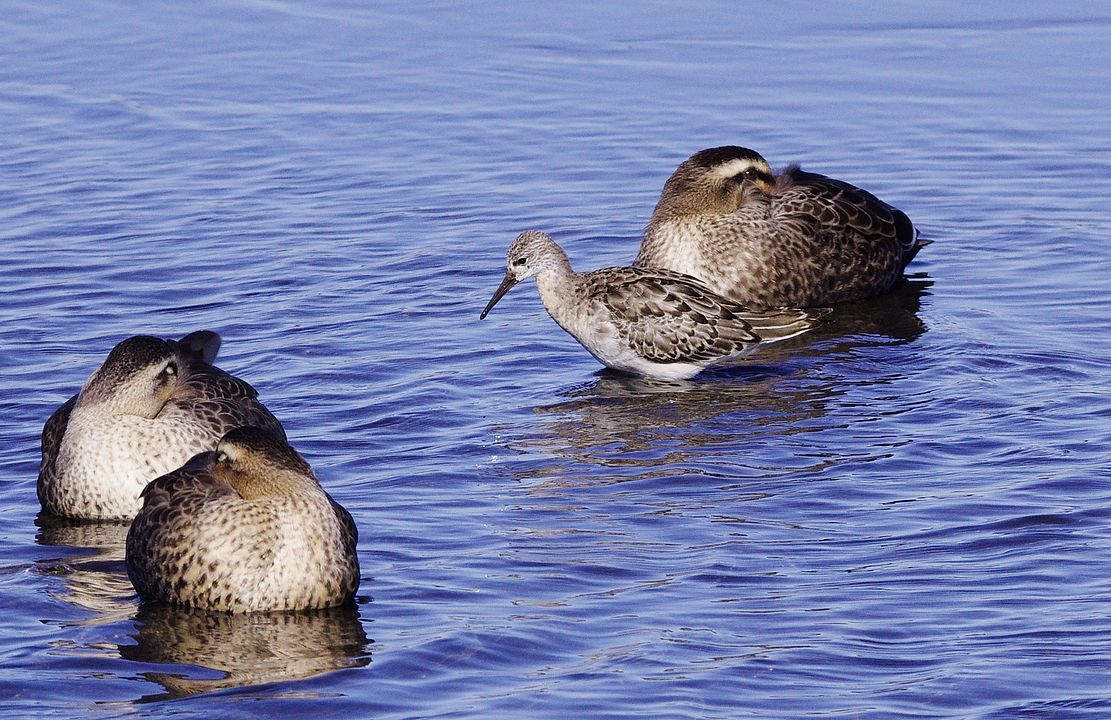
[[648, 321], [96, 469], [795, 239], [664, 316], [202, 540]]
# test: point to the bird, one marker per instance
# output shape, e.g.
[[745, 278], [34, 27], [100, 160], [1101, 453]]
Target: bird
[[796, 239], [651, 322], [245, 527], [150, 406]]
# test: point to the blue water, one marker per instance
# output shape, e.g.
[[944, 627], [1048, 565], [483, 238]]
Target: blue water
[[905, 514]]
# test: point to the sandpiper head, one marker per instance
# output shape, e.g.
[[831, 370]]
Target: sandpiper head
[[258, 464], [716, 180], [533, 252], [138, 377]]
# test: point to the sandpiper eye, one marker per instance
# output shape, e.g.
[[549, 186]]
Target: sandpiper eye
[[520, 261], [750, 174]]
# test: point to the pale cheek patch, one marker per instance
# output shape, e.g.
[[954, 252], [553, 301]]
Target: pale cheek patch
[[738, 166], [231, 451]]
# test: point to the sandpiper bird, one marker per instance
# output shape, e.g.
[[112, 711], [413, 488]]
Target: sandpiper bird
[[151, 406], [245, 527], [648, 321], [794, 239]]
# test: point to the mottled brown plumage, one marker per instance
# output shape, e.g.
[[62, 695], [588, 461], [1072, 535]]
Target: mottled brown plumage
[[665, 317], [795, 239], [148, 408], [245, 527]]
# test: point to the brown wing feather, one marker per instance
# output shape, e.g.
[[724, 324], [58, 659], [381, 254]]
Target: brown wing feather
[[53, 432], [207, 381], [200, 344], [168, 503], [839, 208], [671, 317], [224, 400]]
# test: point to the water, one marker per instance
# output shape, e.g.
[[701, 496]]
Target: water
[[904, 514]]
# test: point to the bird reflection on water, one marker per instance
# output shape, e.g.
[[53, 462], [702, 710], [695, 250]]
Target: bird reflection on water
[[245, 649], [95, 577], [640, 427]]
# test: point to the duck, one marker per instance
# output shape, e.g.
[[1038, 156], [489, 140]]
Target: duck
[[150, 406], [792, 239], [245, 527], [651, 322]]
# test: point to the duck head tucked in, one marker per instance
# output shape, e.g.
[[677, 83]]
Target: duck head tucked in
[[243, 528], [150, 406], [138, 378], [765, 240], [257, 464], [715, 181]]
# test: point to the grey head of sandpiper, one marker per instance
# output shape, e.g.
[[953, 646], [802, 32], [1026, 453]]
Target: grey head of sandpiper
[[532, 253]]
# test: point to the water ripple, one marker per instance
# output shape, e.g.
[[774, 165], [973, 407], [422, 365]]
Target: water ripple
[[899, 515]]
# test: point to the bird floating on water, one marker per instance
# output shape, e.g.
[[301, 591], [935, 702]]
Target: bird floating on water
[[648, 321], [150, 406], [796, 239], [245, 527]]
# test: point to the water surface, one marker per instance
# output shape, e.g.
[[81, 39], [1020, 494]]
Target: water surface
[[902, 514]]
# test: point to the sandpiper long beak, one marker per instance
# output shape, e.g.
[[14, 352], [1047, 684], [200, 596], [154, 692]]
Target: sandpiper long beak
[[507, 283]]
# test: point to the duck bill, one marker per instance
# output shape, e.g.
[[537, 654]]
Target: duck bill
[[507, 283]]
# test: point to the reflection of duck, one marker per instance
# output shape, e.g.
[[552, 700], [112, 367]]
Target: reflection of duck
[[95, 578], [148, 408], [892, 316], [795, 239], [242, 528], [248, 649]]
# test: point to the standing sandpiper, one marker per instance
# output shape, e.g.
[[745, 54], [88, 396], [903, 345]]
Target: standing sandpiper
[[648, 321]]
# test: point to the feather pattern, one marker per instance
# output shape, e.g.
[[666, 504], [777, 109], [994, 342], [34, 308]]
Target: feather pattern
[[667, 318], [151, 405], [794, 239], [218, 532]]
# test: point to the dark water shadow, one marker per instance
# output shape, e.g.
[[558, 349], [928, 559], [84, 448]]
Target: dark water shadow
[[893, 316], [245, 649], [891, 319]]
